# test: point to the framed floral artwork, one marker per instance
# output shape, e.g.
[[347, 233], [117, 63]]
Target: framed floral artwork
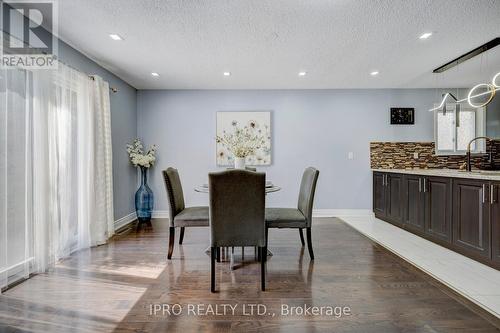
[[247, 130]]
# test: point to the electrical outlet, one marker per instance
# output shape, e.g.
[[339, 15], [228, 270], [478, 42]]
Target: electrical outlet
[[350, 156], [415, 156]]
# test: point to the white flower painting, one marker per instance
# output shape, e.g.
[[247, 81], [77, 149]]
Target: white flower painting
[[248, 133]]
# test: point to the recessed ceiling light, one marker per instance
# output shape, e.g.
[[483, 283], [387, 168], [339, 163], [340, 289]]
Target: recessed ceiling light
[[374, 73], [302, 73], [425, 35], [155, 74], [227, 73], [115, 37]]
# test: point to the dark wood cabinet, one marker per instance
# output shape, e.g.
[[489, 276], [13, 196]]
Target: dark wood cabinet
[[461, 214], [495, 221], [387, 197], [394, 197], [379, 191], [438, 196], [471, 220], [413, 204]]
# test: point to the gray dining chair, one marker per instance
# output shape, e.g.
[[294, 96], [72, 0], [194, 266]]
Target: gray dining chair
[[180, 215], [237, 210], [300, 217]]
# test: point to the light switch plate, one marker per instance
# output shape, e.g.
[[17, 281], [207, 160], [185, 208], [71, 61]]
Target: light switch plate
[[350, 155], [415, 156]]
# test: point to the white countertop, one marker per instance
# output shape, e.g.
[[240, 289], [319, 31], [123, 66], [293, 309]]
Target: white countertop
[[475, 174]]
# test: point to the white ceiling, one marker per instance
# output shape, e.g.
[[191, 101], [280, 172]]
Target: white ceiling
[[265, 43]]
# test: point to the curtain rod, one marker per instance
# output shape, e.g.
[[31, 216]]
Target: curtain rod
[[113, 89]]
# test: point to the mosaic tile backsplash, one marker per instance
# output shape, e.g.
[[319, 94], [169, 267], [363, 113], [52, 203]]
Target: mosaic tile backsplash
[[399, 155]]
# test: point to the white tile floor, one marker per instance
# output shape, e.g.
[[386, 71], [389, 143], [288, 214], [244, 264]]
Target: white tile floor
[[475, 281]]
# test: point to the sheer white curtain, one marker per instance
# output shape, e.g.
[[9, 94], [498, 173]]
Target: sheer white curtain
[[60, 190], [16, 251]]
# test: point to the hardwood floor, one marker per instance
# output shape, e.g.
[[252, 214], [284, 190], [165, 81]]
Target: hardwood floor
[[113, 288]]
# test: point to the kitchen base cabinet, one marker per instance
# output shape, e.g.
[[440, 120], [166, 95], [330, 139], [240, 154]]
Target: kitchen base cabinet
[[471, 220], [387, 197], [413, 203], [438, 196], [394, 195], [495, 221], [379, 190], [462, 214]]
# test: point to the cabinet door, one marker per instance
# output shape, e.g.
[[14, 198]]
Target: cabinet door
[[379, 192], [438, 196], [413, 203], [495, 221], [394, 197], [471, 216]]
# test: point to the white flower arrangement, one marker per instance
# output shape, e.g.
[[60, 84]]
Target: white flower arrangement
[[243, 142], [137, 156]]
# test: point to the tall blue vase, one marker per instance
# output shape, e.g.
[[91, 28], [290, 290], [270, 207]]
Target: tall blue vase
[[144, 198]]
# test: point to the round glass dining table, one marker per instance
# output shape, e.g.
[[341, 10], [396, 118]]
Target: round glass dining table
[[270, 188]]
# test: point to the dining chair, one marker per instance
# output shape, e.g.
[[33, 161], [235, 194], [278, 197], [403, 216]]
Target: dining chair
[[237, 210], [180, 215], [246, 168], [300, 217]]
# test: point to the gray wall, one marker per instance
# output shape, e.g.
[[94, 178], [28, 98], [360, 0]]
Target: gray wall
[[493, 118], [310, 128], [123, 127]]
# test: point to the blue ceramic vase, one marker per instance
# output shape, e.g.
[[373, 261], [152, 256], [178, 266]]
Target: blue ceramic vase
[[144, 198]]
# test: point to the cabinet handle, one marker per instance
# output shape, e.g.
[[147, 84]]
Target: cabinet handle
[[492, 194], [425, 186], [419, 184], [484, 193]]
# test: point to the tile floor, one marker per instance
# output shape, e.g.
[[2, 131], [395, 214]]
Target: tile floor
[[473, 280]]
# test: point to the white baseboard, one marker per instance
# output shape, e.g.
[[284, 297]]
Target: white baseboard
[[341, 212], [162, 214], [129, 218]]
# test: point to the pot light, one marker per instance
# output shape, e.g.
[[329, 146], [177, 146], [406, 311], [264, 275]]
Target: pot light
[[115, 37], [302, 73], [227, 73], [155, 74], [425, 35], [374, 73]]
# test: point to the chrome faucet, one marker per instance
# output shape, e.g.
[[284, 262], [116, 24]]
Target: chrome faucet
[[468, 165]]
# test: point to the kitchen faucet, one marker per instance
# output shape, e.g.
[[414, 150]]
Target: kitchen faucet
[[468, 163]]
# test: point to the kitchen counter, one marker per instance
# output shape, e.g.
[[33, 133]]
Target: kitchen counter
[[475, 174]]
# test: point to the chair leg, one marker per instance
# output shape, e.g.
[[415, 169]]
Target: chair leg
[[309, 243], [267, 235], [212, 268], [171, 242], [301, 237], [181, 237], [263, 251]]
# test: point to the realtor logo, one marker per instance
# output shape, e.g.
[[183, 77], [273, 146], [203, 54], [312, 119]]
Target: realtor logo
[[28, 34]]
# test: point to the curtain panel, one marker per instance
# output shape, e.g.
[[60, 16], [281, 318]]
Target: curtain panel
[[56, 168]]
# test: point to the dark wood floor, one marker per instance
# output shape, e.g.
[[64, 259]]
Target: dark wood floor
[[112, 288]]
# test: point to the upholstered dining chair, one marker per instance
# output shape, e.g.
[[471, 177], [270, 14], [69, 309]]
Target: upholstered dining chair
[[246, 168], [300, 217], [180, 215], [237, 210]]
